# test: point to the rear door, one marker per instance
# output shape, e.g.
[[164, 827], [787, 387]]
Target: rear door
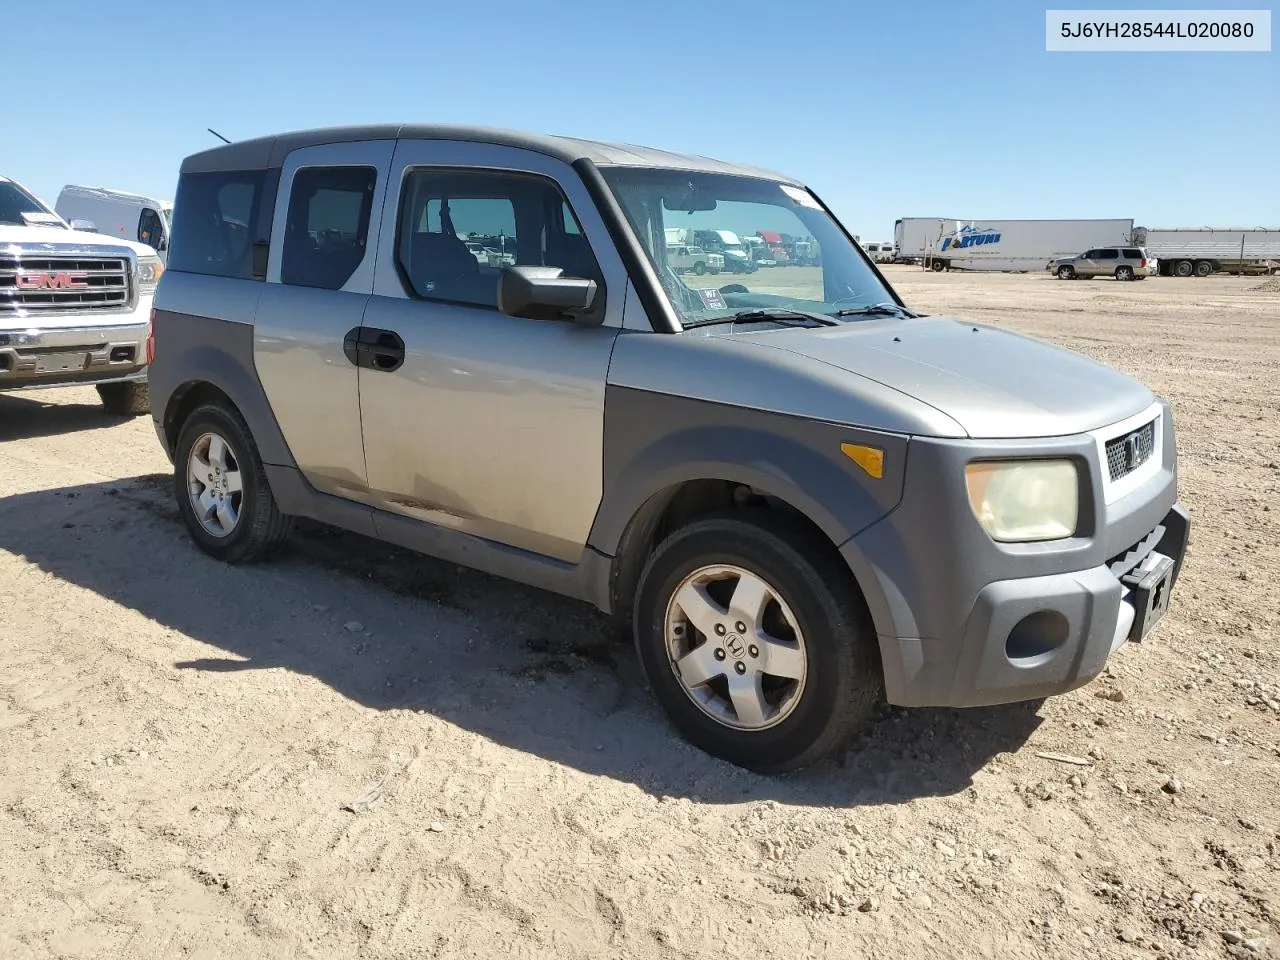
[[486, 423], [319, 278], [1107, 261]]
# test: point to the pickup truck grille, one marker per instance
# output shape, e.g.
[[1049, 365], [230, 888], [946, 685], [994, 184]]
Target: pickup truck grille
[[43, 284], [1127, 453]]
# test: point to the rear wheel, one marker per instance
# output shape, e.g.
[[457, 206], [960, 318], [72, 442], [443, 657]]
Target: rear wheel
[[125, 399], [699, 268], [1066, 273], [1203, 268], [754, 641], [1183, 268], [938, 266], [222, 490], [1124, 273]]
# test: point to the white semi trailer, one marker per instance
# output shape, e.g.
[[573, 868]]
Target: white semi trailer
[[1201, 251], [1009, 245]]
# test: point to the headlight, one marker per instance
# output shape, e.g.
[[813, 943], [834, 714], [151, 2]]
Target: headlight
[[149, 271], [1019, 501]]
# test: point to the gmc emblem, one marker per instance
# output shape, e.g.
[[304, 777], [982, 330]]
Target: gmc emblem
[[52, 281]]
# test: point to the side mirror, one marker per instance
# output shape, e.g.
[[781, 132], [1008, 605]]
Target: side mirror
[[88, 226], [545, 293]]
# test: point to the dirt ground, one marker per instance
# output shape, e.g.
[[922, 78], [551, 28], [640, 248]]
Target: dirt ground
[[356, 752]]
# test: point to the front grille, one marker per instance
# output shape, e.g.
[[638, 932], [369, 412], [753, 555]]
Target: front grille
[[42, 285], [1127, 453]]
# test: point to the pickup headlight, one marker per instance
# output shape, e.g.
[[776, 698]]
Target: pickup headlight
[[149, 271], [1020, 501]]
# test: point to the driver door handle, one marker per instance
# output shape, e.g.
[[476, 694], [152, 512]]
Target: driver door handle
[[374, 348]]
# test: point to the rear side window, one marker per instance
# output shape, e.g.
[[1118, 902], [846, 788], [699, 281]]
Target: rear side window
[[1133, 254], [327, 227], [458, 230], [217, 218]]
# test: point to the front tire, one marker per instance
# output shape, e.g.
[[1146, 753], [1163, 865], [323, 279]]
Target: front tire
[[755, 642], [126, 399], [222, 490], [1066, 273]]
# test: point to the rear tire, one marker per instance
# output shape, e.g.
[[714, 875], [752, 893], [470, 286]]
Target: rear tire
[[1183, 268], [828, 640], [938, 266], [128, 399], [1124, 273], [1203, 268], [699, 268], [258, 527]]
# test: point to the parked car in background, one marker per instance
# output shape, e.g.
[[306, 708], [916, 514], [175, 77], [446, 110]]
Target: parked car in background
[[75, 306], [119, 214], [1123, 263], [685, 259], [797, 502]]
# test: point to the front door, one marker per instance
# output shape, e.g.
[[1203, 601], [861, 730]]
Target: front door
[[475, 420], [319, 279]]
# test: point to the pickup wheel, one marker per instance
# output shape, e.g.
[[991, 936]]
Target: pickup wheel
[[126, 399], [699, 268], [222, 490], [754, 642]]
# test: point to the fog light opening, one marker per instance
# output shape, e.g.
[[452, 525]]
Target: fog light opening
[[1036, 637]]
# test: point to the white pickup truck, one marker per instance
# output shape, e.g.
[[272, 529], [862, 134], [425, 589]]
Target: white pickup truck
[[75, 307], [687, 259]]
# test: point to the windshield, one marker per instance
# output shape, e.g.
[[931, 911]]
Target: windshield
[[806, 262], [14, 202]]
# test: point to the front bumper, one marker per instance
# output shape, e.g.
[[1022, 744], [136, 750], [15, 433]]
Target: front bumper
[[965, 621], [1035, 637], [56, 357]]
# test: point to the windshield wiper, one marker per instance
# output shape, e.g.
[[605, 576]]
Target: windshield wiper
[[783, 316], [875, 309]]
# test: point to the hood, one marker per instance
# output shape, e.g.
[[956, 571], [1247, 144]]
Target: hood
[[58, 236], [995, 383]]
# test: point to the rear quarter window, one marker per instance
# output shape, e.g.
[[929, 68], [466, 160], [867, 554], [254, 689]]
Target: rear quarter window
[[217, 218]]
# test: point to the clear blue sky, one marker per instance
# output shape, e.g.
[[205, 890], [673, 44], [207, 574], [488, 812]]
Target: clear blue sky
[[887, 109]]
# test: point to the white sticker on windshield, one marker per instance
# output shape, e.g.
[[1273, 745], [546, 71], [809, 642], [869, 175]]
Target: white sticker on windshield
[[711, 299], [802, 197]]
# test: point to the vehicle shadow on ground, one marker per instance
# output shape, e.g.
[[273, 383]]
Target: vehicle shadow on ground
[[528, 670], [28, 416]]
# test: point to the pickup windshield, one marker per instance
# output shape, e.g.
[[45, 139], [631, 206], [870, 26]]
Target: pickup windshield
[[14, 202], [807, 262]]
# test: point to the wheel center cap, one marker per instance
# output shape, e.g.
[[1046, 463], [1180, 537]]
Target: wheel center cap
[[736, 646]]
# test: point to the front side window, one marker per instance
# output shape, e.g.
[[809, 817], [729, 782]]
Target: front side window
[[215, 222], [459, 229], [327, 227], [150, 229], [820, 269]]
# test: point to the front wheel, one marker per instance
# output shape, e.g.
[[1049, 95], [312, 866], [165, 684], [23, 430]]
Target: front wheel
[[1066, 273], [222, 490], [125, 399], [754, 642]]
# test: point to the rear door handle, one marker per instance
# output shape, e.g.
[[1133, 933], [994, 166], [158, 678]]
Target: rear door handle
[[374, 348]]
